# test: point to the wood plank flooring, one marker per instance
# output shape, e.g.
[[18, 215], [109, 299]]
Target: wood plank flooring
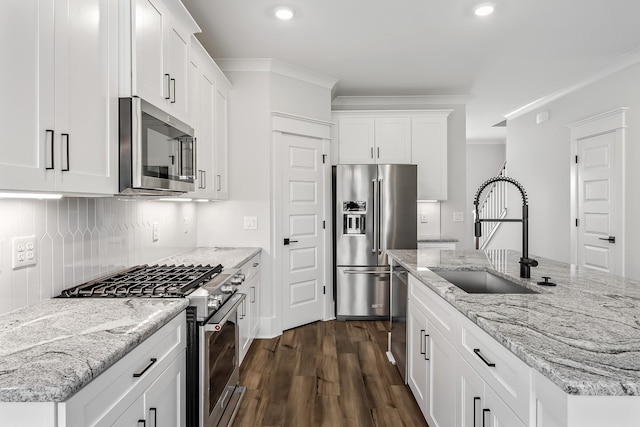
[[325, 374]]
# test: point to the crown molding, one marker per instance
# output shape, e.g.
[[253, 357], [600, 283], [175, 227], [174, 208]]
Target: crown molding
[[277, 67], [392, 102], [627, 60]]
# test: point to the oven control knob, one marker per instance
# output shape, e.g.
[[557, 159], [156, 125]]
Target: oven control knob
[[229, 289], [214, 301], [237, 279]]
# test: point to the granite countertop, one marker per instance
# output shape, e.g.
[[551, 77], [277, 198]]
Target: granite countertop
[[53, 349], [437, 239], [583, 334], [228, 257]]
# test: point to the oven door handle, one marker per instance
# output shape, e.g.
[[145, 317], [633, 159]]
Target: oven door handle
[[216, 323]]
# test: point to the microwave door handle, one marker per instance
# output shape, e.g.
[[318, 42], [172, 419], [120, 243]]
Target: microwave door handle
[[136, 143]]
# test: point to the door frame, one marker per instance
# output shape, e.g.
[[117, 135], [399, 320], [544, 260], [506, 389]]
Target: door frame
[[283, 123], [613, 121]]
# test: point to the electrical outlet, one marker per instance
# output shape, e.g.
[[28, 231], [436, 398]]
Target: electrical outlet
[[156, 231], [458, 217], [185, 225], [250, 222], [24, 252], [424, 218]]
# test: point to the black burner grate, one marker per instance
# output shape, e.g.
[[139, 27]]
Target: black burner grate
[[151, 281]]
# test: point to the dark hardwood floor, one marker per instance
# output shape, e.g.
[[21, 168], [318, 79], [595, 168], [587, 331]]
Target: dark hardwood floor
[[325, 374]]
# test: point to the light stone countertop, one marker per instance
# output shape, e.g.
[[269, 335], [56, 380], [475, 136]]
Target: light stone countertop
[[228, 257], [52, 349], [583, 334]]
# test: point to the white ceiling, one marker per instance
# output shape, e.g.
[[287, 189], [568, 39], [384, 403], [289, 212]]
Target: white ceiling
[[524, 51]]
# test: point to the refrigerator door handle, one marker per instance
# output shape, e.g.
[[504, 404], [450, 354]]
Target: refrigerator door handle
[[375, 214], [380, 195], [366, 271]]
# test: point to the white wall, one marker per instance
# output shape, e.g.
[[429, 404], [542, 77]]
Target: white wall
[[80, 239], [254, 96], [539, 156]]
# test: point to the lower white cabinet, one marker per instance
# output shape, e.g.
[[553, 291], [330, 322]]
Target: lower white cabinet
[[148, 384], [430, 369], [249, 310]]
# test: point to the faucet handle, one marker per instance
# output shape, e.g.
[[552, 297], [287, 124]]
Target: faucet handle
[[546, 282]]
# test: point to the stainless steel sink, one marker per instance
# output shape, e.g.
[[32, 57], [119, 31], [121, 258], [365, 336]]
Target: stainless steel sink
[[483, 282]]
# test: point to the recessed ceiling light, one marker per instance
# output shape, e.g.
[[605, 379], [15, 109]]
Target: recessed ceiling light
[[484, 9], [284, 13]]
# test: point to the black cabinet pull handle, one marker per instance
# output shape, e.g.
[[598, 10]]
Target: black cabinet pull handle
[[610, 239], [155, 416], [144, 423], [484, 359], [475, 411], [173, 84], [426, 351], [50, 131], [204, 179], [66, 137], [422, 331], [167, 78], [484, 412], [151, 362]]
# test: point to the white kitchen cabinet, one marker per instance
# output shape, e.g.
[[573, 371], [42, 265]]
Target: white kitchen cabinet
[[431, 368], [429, 152], [148, 383], [155, 43], [249, 311], [211, 92], [398, 137], [63, 94], [370, 140]]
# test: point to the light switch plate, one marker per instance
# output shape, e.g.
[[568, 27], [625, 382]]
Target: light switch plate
[[458, 217], [156, 231], [250, 222], [424, 218], [24, 252]]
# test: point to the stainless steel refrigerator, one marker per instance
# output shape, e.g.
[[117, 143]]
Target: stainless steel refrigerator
[[375, 210]]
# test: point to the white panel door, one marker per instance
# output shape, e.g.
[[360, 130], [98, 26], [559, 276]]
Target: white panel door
[[599, 207], [87, 96], [441, 396], [303, 207], [470, 395], [417, 357], [27, 43]]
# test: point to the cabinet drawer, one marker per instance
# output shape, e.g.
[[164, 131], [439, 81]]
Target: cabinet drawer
[[117, 387], [438, 311], [508, 376]]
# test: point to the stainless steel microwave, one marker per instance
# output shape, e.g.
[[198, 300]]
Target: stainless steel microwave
[[157, 151]]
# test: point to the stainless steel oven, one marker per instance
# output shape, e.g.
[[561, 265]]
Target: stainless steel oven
[[220, 391]]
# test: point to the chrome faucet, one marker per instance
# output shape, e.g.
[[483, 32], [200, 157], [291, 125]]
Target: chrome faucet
[[525, 262]]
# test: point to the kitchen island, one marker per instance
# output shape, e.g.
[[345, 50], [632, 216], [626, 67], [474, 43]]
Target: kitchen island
[[581, 338]]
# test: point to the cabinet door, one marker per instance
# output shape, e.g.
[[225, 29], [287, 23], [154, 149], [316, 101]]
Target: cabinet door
[[356, 139], [221, 144], [27, 43], [205, 180], [254, 305], [149, 22], [470, 395], [176, 65], [417, 374], [442, 380], [132, 416], [165, 398], [244, 325], [86, 98], [393, 140], [429, 152], [496, 413]]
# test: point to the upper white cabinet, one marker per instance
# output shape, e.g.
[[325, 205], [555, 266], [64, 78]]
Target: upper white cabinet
[[398, 137], [61, 128], [210, 89], [156, 38]]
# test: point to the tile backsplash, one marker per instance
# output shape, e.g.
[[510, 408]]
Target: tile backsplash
[[79, 239]]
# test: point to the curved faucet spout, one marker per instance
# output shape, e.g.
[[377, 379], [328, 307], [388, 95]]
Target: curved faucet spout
[[525, 262]]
